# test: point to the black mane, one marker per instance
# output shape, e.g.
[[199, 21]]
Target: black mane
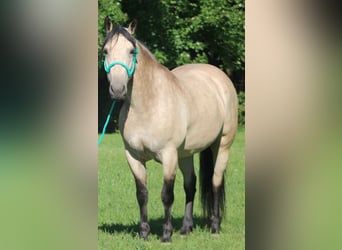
[[119, 30]]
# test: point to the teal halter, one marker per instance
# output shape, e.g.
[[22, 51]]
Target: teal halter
[[130, 71]]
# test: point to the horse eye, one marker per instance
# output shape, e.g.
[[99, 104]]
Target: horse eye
[[132, 51], [105, 51]]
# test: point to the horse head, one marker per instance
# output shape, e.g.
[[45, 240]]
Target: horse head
[[120, 52]]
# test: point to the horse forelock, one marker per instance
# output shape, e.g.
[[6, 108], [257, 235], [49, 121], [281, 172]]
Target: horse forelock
[[117, 30]]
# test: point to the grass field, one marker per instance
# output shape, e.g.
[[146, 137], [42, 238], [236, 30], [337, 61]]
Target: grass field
[[118, 210]]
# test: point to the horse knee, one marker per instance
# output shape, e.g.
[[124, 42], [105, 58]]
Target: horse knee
[[141, 193], [167, 195]]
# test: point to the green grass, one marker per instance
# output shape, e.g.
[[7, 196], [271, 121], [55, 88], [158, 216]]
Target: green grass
[[118, 211]]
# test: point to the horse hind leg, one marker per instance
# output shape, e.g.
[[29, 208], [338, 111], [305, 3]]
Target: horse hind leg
[[213, 162], [218, 182], [186, 166], [219, 190]]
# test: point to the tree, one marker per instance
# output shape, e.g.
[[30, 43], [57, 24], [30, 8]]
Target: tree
[[180, 31]]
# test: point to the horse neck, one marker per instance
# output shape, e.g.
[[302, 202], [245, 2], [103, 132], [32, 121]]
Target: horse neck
[[150, 80]]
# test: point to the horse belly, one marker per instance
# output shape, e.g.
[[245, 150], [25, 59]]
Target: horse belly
[[202, 132]]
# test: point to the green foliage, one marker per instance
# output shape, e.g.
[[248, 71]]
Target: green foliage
[[180, 31], [241, 112]]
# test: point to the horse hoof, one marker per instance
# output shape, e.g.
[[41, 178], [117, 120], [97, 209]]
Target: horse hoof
[[185, 230], [144, 231], [143, 236], [215, 225], [166, 239], [167, 233]]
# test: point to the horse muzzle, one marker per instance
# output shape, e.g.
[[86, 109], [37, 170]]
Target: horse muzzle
[[117, 93]]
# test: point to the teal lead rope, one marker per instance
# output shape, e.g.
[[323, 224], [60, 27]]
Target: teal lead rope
[[106, 123]]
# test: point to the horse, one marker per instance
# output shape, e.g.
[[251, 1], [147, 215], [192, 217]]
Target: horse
[[168, 116]]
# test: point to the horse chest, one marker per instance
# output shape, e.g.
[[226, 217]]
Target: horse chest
[[142, 139], [136, 140]]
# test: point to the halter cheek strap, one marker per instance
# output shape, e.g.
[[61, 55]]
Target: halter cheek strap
[[130, 71]]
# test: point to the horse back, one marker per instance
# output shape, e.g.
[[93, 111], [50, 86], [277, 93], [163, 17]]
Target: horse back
[[207, 85]]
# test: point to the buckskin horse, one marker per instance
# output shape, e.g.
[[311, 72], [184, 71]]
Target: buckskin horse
[[168, 116]]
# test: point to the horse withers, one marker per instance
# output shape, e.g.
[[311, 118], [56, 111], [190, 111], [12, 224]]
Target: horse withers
[[168, 116]]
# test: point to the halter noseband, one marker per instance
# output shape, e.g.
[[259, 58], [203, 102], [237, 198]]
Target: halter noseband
[[130, 71]]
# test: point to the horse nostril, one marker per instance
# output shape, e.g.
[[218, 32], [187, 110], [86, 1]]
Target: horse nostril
[[117, 90]]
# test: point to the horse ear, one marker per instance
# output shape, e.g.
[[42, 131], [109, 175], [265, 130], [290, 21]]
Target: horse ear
[[132, 26], [108, 24]]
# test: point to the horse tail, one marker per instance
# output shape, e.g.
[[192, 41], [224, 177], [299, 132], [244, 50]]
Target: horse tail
[[206, 185]]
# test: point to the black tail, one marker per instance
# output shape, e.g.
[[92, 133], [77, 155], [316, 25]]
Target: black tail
[[206, 185]]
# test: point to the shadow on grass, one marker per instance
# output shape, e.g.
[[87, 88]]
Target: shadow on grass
[[156, 226]]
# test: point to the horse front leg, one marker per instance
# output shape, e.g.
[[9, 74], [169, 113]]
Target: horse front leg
[[139, 171], [169, 161]]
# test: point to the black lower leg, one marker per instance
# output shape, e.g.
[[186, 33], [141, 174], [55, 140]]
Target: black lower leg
[[215, 218], [142, 197], [190, 190], [167, 198]]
